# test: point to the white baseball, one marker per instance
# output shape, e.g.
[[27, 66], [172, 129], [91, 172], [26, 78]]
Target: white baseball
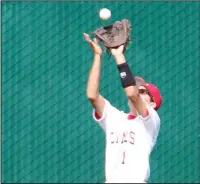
[[105, 14]]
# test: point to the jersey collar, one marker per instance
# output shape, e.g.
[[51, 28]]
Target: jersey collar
[[131, 117]]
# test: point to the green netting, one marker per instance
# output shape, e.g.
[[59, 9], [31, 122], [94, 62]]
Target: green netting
[[48, 134]]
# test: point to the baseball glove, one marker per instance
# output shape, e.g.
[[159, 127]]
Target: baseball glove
[[114, 35]]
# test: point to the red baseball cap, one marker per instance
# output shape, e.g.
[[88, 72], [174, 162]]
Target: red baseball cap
[[155, 94]]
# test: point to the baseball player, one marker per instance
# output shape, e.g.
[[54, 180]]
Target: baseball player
[[130, 137]]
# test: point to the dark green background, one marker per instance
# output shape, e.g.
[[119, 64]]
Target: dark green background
[[48, 134]]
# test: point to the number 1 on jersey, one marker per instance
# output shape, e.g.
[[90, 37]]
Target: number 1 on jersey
[[123, 161]]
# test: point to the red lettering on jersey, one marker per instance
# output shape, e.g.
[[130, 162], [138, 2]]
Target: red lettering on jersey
[[112, 133], [117, 138], [132, 136], [124, 136]]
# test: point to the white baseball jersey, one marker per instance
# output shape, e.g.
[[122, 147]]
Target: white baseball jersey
[[129, 142]]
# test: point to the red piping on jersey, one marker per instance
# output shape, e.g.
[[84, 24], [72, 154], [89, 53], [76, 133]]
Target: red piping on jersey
[[97, 116], [129, 117]]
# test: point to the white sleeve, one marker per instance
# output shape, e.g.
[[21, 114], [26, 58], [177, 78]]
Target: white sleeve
[[151, 122], [108, 113]]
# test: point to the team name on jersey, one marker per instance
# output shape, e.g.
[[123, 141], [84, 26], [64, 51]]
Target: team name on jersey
[[122, 137]]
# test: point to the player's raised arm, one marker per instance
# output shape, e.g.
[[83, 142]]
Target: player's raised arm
[[128, 81], [92, 91]]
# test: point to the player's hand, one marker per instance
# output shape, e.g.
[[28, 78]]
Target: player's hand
[[117, 51], [93, 44]]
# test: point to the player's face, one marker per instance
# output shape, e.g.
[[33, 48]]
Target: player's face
[[144, 94]]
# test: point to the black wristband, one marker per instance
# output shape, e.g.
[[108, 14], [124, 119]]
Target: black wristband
[[126, 76]]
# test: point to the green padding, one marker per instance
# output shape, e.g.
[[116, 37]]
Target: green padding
[[48, 134]]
